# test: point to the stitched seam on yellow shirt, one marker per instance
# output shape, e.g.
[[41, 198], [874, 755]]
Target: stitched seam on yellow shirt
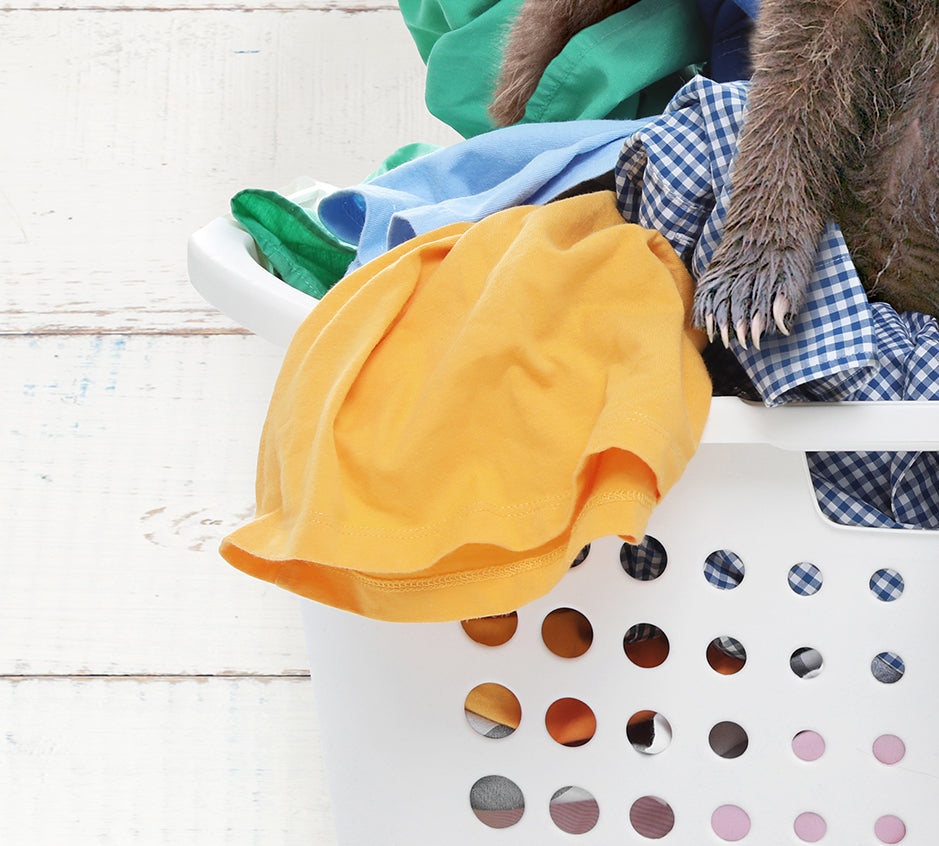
[[417, 583], [670, 443]]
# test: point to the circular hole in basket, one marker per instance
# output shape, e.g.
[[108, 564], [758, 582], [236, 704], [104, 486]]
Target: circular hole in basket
[[574, 810], [806, 662], [648, 732], [726, 655], [570, 722], [646, 645], [890, 829], [644, 561], [808, 745], [581, 557], [887, 585], [492, 631], [730, 823], [724, 569], [805, 579], [889, 749], [810, 827], [651, 817], [497, 801], [567, 633], [728, 739], [492, 710], [888, 667]]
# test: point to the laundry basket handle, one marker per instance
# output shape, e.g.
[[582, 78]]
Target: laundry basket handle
[[844, 426], [224, 268]]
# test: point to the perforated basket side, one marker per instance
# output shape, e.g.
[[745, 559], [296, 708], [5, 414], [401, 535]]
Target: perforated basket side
[[404, 759]]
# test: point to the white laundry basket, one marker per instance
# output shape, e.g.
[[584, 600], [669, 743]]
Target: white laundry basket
[[835, 756]]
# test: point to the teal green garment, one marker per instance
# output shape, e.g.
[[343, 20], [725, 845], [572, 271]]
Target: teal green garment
[[294, 242], [428, 20], [627, 66], [401, 156]]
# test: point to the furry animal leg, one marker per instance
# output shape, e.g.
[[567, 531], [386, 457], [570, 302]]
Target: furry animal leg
[[802, 128], [537, 36]]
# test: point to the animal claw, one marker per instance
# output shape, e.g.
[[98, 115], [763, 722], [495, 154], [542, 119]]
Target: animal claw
[[756, 329], [740, 327], [709, 325], [725, 336], [780, 311]]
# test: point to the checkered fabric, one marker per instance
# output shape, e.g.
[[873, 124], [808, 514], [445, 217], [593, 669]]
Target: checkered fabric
[[730, 646], [581, 557], [805, 579], [887, 585], [642, 632], [644, 561], [888, 489], [723, 569], [674, 176]]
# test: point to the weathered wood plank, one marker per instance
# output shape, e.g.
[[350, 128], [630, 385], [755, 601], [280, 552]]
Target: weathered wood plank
[[151, 761], [348, 6], [125, 460], [149, 693], [136, 128]]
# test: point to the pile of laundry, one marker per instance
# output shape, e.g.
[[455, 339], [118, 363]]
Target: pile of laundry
[[497, 299]]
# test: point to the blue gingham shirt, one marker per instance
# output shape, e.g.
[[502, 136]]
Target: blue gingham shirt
[[673, 176]]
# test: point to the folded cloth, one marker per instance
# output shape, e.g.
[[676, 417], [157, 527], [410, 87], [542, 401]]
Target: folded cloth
[[451, 425], [622, 67], [518, 165], [892, 490], [297, 247]]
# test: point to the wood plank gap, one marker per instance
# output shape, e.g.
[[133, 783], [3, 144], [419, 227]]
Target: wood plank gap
[[328, 7], [171, 677], [127, 333]]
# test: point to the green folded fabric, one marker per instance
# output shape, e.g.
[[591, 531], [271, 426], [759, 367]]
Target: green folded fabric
[[298, 247], [401, 156], [295, 244], [626, 66]]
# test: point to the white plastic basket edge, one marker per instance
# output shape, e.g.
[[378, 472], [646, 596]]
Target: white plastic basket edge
[[224, 269]]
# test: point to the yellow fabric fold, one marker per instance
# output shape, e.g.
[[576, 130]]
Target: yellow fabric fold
[[457, 418]]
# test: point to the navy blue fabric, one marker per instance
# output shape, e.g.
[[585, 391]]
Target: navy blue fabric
[[730, 24], [751, 7]]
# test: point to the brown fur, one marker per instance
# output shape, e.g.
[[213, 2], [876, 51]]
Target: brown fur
[[842, 123]]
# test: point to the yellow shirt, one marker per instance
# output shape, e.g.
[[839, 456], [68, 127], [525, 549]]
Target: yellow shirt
[[457, 418]]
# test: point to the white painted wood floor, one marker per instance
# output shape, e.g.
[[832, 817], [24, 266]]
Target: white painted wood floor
[[150, 694]]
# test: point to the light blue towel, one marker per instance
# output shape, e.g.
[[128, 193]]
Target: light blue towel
[[519, 165]]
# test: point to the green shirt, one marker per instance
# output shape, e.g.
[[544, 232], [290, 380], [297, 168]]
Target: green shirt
[[628, 65]]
